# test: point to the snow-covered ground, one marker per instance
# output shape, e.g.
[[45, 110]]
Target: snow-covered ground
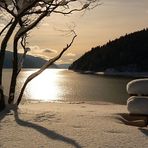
[[64, 125]]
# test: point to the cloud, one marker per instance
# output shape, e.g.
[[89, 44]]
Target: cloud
[[43, 53], [50, 51], [35, 48], [71, 59], [71, 54], [39, 55], [59, 61]]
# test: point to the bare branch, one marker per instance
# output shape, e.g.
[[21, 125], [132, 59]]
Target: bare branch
[[21, 61], [6, 27], [84, 7], [15, 3], [69, 12], [45, 66], [28, 6], [4, 5], [24, 30]]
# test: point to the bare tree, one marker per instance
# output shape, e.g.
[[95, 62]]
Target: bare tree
[[23, 16]]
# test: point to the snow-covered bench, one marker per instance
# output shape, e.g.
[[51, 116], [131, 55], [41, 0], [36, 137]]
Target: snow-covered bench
[[138, 102], [138, 87]]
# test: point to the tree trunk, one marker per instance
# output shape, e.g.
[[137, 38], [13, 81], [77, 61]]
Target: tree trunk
[[12, 87], [2, 57], [14, 73], [4, 45], [2, 100]]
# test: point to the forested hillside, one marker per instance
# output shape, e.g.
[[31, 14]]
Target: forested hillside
[[128, 53]]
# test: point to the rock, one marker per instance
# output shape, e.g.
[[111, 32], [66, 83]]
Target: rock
[[138, 105], [138, 87]]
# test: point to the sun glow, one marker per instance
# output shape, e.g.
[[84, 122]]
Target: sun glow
[[45, 87]]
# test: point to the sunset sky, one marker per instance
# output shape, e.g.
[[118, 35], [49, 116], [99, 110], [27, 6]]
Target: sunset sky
[[108, 21]]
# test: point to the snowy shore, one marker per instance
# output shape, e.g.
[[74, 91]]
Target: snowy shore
[[64, 125], [122, 74], [125, 74]]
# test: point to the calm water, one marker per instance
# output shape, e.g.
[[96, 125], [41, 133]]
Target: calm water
[[64, 85]]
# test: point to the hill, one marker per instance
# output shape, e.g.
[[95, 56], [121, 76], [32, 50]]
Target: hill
[[129, 53], [63, 66], [30, 61]]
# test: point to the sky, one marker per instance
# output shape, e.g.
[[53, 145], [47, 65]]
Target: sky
[[108, 21]]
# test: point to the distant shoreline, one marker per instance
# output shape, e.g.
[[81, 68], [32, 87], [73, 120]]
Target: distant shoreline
[[121, 74], [113, 74], [125, 74]]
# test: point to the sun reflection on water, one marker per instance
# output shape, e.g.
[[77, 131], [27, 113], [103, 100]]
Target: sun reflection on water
[[45, 87]]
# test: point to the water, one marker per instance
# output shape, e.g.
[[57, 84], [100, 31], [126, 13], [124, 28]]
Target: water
[[64, 85]]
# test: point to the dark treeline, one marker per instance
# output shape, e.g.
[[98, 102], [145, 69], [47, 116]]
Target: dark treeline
[[128, 53]]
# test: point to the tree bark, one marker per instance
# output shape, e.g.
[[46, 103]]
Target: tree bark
[[2, 100], [2, 57], [4, 45], [14, 72]]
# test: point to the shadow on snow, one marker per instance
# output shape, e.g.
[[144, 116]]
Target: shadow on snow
[[48, 133]]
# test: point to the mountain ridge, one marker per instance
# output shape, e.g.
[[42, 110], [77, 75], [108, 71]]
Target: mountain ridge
[[29, 62]]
